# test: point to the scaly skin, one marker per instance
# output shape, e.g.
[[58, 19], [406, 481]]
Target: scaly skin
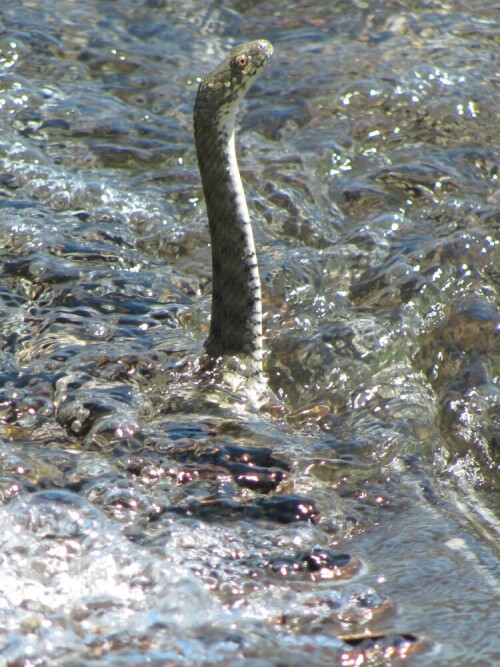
[[236, 323]]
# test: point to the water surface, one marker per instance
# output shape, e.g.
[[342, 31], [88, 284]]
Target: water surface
[[149, 517]]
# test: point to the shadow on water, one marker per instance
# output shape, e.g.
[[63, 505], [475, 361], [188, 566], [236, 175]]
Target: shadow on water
[[151, 516]]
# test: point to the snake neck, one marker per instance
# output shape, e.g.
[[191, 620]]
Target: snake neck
[[236, 322]]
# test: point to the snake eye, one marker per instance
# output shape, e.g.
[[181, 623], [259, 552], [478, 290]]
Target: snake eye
[[241, 61]]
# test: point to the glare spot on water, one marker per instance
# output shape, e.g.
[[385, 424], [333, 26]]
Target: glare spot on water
[[341, 164], [472, 109], [437, 274], [456, 543]]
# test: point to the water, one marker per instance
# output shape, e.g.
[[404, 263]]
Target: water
[[149, 517]]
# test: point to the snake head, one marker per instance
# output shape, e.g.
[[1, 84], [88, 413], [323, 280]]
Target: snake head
[[231, 79]]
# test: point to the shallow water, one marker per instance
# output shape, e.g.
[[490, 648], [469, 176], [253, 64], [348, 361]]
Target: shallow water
[[151, 518]]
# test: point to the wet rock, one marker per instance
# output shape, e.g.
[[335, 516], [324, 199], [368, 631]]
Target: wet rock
[[317, 563], [251, 468], [377, 649], [289, 508], [457, 358], [283, 509]]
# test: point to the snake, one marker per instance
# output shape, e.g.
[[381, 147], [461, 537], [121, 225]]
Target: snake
[[235, 330]]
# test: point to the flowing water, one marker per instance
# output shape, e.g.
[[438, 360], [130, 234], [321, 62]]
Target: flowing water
[[152, 517]]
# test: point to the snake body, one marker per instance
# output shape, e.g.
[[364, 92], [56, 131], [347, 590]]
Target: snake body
[[236, 320]]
